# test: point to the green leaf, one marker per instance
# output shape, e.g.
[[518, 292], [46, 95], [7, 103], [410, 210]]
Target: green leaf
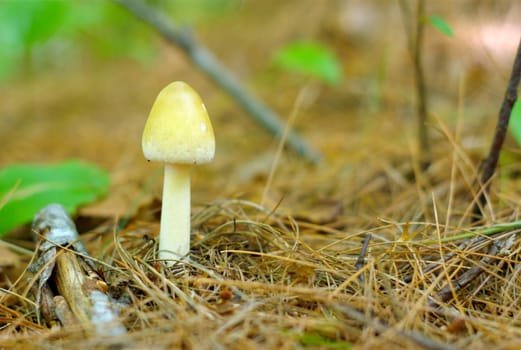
[[442, 26], [317, 340], [30, 31], [515, 121], [27, 188], [32, 22], [310, 59]]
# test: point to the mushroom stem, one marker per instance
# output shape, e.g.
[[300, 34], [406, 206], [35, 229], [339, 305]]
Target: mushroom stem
[[174, 236]]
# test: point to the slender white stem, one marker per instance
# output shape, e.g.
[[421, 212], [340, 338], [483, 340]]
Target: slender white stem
[[174, 237]]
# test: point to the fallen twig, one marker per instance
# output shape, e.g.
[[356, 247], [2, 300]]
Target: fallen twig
[[490, 164], [208, 63], [74, 278], [465, 245], [381, 327], [360, 262], [492, 258]]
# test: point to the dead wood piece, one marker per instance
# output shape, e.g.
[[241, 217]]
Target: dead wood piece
[[81, 292], [63, 312], [47, 305], [70, 282]]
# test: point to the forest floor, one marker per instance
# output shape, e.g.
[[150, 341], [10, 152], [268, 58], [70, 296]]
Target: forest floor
[[276, 241]]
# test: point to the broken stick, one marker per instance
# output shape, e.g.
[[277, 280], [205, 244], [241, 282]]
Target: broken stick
[[64, 264]]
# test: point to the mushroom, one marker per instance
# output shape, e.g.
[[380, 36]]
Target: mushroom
[[178, 133]]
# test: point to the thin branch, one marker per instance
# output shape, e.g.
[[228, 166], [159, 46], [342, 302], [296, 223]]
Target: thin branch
[[421, 90], [493, 257], [415, 45], [467, 245], [490, 164], [360, 262], [208, 63]]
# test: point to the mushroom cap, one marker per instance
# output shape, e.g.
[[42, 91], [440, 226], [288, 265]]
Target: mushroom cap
[[178, 129]]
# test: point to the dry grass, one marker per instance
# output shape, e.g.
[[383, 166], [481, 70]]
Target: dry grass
[[258, 278], [286, 275]]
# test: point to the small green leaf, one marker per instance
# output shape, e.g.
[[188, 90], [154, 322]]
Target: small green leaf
[[27, 188], [310, 59], [515, 121], [317, 340], [442, 26]]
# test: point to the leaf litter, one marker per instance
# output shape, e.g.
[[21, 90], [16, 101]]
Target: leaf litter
[[260, 278]]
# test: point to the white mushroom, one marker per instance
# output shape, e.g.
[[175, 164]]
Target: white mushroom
[[178, 133]]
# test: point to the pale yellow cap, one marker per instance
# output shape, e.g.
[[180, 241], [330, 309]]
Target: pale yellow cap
[[178, 129]]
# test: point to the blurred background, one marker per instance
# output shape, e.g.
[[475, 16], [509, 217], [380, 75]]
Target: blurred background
[[77, 80]]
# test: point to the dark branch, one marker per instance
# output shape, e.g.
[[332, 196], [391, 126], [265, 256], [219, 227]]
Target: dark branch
[[415, 46], [360, 262], [421, 90], [490, 164], [492, 258]]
